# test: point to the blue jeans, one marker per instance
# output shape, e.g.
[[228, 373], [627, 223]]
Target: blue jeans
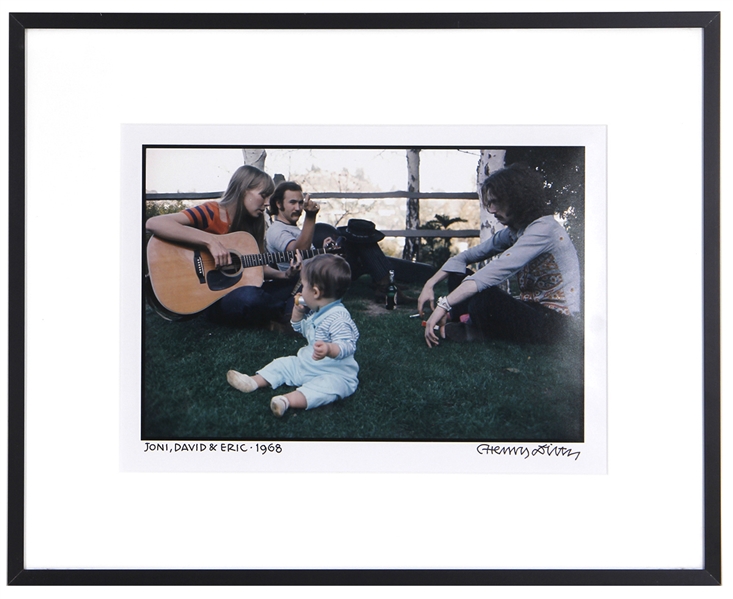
[[254, 305]]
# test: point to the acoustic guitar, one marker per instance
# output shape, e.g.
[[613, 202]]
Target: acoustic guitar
[[185, 279]]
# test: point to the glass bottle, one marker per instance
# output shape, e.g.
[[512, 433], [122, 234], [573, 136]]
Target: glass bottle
[[391, 292]]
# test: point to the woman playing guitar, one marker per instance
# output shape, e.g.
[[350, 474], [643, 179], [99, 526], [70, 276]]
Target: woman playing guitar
[[241, 208]]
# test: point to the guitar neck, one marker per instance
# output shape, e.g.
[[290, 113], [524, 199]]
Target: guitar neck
[[277, 257]]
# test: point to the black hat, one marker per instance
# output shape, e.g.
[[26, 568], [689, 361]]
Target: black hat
[[360, 231]]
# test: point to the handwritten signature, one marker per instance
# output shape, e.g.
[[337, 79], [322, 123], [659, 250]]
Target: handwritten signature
[[545, 449]]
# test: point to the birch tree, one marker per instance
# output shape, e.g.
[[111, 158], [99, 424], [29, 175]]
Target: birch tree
[[489, 161], [412, 220], [255, 157]]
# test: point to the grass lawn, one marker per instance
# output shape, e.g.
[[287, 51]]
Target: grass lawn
[[464, 392]]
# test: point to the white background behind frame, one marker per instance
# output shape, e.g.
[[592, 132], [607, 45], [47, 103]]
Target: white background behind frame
[[634, 126]]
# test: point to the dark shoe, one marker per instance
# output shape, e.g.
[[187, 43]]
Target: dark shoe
[[461, 332]]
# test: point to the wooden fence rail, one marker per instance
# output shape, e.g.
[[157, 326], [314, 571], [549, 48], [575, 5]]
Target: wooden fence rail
[[430, 232], [411, 233], [351, 195]]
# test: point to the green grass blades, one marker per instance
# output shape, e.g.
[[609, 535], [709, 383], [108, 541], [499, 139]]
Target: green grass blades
[[407, 391]]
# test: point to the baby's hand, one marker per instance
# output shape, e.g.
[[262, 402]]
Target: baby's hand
[[299, 302], [320, 350], [299, 309]]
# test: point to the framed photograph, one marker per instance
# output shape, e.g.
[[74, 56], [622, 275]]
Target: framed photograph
[[131, 351]]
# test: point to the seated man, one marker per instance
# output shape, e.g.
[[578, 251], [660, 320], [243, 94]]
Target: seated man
[[358, 240], [534, 246]]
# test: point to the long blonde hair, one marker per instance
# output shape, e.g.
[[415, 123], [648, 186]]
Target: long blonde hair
[[244, 178]]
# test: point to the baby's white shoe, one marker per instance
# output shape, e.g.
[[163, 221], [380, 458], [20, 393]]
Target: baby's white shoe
[[279, 405], [242, 382]]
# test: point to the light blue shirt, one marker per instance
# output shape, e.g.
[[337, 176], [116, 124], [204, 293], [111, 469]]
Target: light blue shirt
[[541, 254], [332, 324], [277, 238]]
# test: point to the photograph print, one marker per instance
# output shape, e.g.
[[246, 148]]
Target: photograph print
[[394, 294]]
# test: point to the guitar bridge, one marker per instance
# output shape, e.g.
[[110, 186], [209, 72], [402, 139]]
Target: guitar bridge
[[198, 265]]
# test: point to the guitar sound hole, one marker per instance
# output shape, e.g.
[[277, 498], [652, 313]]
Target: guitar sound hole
[[233, 269]]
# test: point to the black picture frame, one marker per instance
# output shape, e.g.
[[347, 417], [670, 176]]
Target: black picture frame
[[708, 22]]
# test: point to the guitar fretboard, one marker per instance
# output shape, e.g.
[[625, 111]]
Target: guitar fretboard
[[249, 260]]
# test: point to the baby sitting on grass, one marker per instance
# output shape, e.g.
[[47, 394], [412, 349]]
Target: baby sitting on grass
[[325, 370]]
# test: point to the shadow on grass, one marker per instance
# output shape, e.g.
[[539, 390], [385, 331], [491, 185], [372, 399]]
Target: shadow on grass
[[407, 392]]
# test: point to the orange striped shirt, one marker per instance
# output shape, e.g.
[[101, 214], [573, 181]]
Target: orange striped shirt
[[207, 217]]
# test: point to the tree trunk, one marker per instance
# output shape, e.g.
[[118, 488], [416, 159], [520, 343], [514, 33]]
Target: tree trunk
[[489, 162], [255, 157], [412, 220]]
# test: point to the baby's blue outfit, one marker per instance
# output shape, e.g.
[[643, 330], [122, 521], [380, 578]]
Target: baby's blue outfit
[[320, 381]]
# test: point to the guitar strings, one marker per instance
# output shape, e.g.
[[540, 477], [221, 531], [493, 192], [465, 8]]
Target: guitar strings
[[250, 260]]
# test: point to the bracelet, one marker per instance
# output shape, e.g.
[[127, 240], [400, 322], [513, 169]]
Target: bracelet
[[443, 303]]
